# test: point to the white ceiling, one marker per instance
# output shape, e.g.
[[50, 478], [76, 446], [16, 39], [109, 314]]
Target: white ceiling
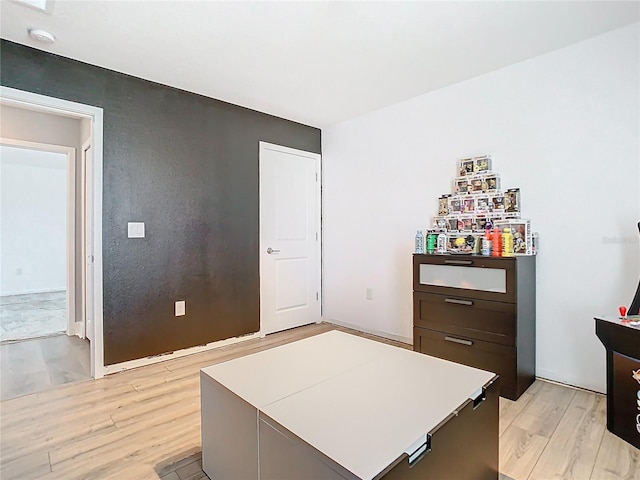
[[316, 63]]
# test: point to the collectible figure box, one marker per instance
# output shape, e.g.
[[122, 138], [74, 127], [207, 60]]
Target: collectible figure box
[[481, 222], [522, 236], [497, 202], [465, 167], [461, 186], [475, 185], [482, 204], [455, 205], [482, 164], [462, 243], [512, 200], [469, 205], [443, 205], [465, 223], [440, 223], [491, 183]]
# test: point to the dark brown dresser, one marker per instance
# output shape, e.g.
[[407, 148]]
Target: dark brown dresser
[[478, 311]]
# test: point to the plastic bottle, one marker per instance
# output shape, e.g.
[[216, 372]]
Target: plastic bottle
[[496, 243], [442, 242], [507, 243], [486, 243], [431, 241], [419, 242]]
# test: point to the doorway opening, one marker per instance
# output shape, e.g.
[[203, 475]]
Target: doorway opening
[[82, 290], [37, 232]]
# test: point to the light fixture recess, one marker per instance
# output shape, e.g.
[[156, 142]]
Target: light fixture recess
[[41, 35]]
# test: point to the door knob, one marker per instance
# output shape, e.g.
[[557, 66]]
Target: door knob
[[271, 250]]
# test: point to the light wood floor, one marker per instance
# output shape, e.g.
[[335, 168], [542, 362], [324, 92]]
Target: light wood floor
[[145, 424], [30, 366]]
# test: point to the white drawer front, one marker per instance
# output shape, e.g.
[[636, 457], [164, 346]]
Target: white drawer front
[[469, 278]]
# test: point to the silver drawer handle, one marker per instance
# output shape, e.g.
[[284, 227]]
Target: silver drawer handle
[[459, 340], [459, 262], [271, 250], [458, 302]]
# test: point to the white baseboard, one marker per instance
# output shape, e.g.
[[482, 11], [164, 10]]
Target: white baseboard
[[565, 384], [552, 376], [377, 333], [546, 374], [143, 362]]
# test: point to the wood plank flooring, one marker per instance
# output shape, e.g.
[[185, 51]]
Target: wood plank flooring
[[31, 366], [145, 424]]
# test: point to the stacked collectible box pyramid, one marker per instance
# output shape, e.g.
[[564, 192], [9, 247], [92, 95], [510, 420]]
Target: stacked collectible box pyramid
[[476, 204]]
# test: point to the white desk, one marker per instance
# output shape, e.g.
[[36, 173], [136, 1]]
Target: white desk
[[344, 407]]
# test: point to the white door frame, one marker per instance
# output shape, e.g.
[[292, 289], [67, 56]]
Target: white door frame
[[280, 148], [85, 282], [71, 279], [33, 101]]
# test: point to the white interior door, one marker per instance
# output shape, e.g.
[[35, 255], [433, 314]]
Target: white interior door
[[289, 238]]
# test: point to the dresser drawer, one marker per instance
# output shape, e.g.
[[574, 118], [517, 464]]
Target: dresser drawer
[[467, 317], [479, 277], [494, 358]]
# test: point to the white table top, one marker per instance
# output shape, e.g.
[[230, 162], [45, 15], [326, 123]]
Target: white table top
[[264, 377], [360, 402]]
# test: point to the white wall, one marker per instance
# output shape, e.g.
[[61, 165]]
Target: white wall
[[52, 129], [33, 235], [564, 127]]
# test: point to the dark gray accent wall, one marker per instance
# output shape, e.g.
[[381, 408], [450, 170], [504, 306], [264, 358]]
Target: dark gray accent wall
[[187, 166]]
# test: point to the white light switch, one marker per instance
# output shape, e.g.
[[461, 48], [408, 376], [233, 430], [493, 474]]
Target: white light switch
[[135, 229], [180, 308]]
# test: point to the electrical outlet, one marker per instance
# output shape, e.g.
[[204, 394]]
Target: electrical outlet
[[369, 293], [180, 308]]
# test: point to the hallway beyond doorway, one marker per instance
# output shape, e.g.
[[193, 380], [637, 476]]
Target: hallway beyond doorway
[[32, 315], [36, 365]]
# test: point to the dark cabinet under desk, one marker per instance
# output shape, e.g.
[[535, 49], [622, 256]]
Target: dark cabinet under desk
[[478, 311]]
